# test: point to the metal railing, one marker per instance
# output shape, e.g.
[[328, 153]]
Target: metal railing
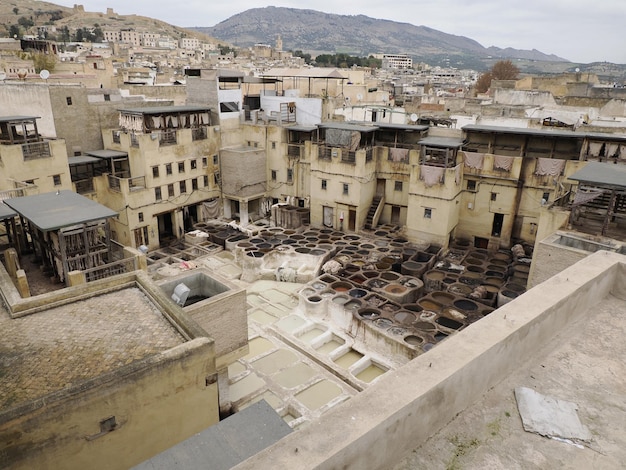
[[84, 186], [294, 150], [167, 138], [115, 183], [126, 265], [369, 154], [348, 156], [199, 133], [138, 182], [36, 150], [324, 153]]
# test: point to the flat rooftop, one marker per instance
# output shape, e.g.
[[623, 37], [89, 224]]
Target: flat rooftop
[[45, 352], [583, 364]]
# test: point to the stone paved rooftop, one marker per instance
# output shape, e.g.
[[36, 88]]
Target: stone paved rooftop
[[583, 364], [45, 352]]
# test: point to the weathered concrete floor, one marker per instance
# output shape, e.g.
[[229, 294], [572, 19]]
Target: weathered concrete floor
[[585, 364]]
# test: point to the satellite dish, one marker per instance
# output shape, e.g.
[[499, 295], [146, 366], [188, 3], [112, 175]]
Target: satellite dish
[[3, 76], [21, 74], [44, 74], [577, 70], [413, 117]]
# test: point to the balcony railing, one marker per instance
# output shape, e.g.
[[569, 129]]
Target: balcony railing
[[167, 138], [36, 150], [325, 153], [126, 265], [84, 186], [369, 154], [294, 150], [348, 156], [134, 184], [199, 133]]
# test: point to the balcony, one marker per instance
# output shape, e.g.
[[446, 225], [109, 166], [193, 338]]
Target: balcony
[[167, 138], [36, 150], [294, 150], [120, 185], [199, 133]]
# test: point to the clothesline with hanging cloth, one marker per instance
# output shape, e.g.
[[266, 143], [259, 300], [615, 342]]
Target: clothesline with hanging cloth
[[585, 196], [431, 175], [502, 162], [398, 155], [211, 209], [549, 167], [474, 160]]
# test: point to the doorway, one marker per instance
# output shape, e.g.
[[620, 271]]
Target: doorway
[[166, 227], [496, 228], [352, 220]]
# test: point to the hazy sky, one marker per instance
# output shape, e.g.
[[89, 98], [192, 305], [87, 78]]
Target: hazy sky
[[577, 30]]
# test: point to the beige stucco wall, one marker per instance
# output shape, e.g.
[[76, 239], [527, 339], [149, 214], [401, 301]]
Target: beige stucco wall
[[381, 425], [156, 402]]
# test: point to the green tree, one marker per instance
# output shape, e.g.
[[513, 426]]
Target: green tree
[[25, 22], [44, 61], [14, 31]]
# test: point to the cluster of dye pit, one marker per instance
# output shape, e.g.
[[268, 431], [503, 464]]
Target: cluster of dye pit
[[330, 312]]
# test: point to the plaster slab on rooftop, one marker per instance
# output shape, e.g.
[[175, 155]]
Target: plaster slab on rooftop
[[385, 422]]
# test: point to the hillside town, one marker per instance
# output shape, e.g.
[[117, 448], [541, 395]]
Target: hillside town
[[224, 254]]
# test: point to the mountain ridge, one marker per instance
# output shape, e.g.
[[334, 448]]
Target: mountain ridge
[[315, 31]]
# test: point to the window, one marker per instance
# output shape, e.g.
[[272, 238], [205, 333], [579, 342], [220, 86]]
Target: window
[[273, 172], [157, 193], [181, 167], [140, 216], [273, 145], [194, 184], [215, 159], [496, 228], [206, 181], [155, 171], [324, 183], [471, 185], [107, 97], [205, 162], [183, 186], [56, 179], [397, 186], [168, 168], [68, 100], [170, 190], [494, 196], [428, 213], [289, 175], [216, 177], [346, 186], [193, 164], [229, 107], [545, 198]]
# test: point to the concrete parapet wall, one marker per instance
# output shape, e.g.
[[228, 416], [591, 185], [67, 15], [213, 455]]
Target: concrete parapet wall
[[377, 428]]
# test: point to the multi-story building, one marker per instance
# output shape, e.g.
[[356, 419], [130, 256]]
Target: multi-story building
[[397, 61], [166, 168], [30, 162]]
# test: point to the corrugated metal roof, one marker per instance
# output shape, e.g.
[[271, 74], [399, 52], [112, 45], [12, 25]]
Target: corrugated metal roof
[[166, 110], [523, 130], [53, 211], [607, 174], [347, 126], [444, 142], [6, 212], [106, 153], [225, 444], [80, 159], [18, 118], [403, 127]]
